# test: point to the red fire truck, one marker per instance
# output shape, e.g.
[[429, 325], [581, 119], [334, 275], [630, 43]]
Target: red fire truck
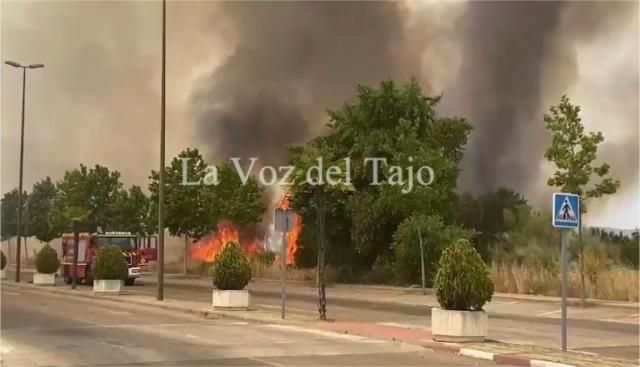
[[136, 254]]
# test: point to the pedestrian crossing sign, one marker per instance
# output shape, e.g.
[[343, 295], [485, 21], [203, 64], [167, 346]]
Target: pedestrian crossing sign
[[566, 210]]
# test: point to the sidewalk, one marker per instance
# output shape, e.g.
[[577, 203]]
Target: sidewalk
[[502, 353], [626, 312], [395, 290], [395, 294]]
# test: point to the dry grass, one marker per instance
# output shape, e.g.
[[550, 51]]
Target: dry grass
[[612, 283], [293, 273]]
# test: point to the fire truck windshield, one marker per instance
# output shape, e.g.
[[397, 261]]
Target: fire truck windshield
[[125, 243]]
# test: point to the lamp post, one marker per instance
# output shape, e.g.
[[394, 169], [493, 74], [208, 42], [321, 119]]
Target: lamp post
[[19, 219], [160, 289]]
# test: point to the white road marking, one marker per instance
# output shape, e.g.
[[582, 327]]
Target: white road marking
[[540, 363], [11, 293], [260, 360], [191, 336], [113, 345], [620, 321], [583, 352], [548, 313], [329, 334], [102, 309], [474, 353], [5, 348]]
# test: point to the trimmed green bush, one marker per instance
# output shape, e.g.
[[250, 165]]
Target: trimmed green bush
[[47, 260], [110, 264], [231, 269], [462, 282], [3, 261]]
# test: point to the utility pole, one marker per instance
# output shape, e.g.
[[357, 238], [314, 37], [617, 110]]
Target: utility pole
[[160, 290], [19, 219]]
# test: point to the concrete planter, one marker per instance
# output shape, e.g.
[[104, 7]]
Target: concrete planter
[[107, 285], [44, 279], [3, 274], [231, 299], [459, 326]]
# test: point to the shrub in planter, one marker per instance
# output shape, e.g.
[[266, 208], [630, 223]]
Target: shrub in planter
[[231, 272], [47, 265], [47, 260], [230, 269], [109, 270], [110, 264], [463, 286]]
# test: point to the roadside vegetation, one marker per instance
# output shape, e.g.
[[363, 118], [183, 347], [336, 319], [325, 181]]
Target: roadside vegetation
[[369, 233]]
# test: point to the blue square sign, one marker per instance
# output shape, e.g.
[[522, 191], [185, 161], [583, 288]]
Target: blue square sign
[[566, 210]]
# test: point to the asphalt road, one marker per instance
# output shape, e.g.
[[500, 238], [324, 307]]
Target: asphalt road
[[607, 338], [56, 331], [598, 330]]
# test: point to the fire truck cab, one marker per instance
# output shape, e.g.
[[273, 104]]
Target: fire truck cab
[[88, 246]]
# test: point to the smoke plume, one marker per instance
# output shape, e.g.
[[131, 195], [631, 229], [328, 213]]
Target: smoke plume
[[246, 78], [292, 60], [519, 58]]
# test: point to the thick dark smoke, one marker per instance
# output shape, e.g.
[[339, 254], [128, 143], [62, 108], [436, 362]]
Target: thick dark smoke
[[292, 61], [505, 48], [514, 55]]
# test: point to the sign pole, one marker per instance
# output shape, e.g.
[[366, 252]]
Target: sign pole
[[563, 258], [566, 217], [424, 280], [283, 264]]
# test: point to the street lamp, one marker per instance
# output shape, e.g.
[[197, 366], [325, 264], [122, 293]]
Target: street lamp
[[19, 219], [160, 285]]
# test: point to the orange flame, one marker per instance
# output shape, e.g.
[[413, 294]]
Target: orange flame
[[208, 247], [294, 234]]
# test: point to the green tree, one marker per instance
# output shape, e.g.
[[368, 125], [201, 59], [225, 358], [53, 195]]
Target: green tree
[[130, 211], [574, 151], [9, 214], [185, 209], [397, 124], [231, 199], [40, 204], [91, 192], [9, 220], [436, 236], [315, 193]]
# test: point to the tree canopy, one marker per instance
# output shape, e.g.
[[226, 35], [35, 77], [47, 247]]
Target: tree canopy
[[397, 124]]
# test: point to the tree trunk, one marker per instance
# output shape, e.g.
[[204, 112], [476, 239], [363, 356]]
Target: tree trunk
[[26, 251], [9, 252], [185, 264], [322, 296]]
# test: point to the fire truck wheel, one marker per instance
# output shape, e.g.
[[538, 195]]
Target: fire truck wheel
[[68, 280], [129, 281]]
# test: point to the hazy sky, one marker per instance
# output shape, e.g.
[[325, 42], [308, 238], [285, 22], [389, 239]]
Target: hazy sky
[[97, 99]]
